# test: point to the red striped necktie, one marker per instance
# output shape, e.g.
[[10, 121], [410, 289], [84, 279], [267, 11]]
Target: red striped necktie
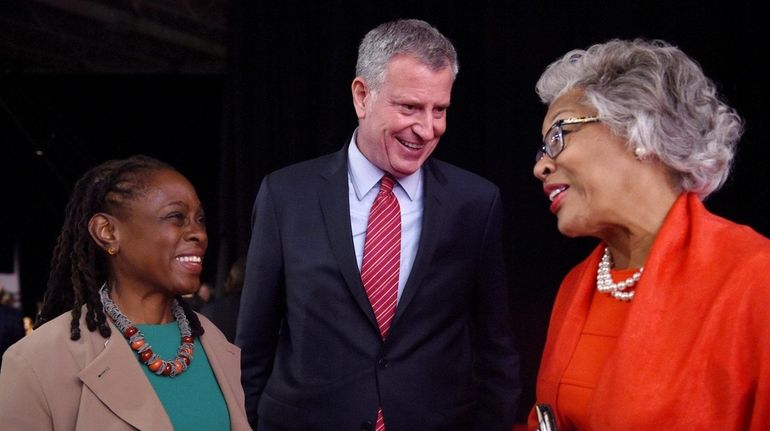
[[382, 258]]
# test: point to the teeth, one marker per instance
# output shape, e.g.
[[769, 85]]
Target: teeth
[[554, 193], [410, 145], [196, 259]]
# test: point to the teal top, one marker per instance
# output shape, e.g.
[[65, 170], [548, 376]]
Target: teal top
[[193, 400]]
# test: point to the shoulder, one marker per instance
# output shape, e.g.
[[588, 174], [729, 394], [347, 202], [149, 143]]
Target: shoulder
[[737, 272], [298, 181], [737, 242], [447, 171], [30, 358], [460, 182], [47, 337], [301, 171]]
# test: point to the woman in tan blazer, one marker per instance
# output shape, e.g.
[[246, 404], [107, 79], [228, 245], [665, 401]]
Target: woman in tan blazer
[[132, 244]]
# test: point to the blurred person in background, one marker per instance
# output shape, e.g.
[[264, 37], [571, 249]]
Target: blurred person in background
[[224, 311], [11, 322]]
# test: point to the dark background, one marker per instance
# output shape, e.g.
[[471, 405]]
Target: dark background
[[229, 90]]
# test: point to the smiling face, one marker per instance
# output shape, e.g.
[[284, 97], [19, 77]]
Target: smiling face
[[162, 238], [401, 123], [592, 184]]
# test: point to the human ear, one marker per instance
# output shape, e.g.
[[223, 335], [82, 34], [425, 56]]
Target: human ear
[[102, 229], [361, 94]]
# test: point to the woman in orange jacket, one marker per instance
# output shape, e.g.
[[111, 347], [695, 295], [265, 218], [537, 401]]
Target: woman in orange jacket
[[663, 325]]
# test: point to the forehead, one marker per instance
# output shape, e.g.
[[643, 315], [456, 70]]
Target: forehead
[[407, 75], [166, 187]]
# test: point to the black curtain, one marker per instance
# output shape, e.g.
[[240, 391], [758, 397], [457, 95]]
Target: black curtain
[[287, 98]]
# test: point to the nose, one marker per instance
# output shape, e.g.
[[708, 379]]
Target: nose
[[427, 127], [544, 167], [197, 233]]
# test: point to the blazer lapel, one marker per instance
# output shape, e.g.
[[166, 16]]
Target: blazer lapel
[[223, 356], [115, 378], [432, 228], [335, 206]]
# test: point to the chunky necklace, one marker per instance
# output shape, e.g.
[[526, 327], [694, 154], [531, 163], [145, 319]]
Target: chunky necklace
[[604, 279], [135, 338]]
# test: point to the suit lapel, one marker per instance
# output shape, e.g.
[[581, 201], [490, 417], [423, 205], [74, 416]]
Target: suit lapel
[[432, 228], [335, 206], [116, 379]]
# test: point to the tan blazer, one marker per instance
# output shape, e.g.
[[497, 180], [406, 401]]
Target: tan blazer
[[49, 382]]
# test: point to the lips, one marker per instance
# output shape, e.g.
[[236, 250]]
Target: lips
[[191, 262], [555, 193]]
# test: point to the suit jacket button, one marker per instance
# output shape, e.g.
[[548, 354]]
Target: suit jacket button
[[367, 426], [383, 363]]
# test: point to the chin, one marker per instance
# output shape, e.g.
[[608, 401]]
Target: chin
[[185, 289], [407, 168], [569, 234], [567, 230]]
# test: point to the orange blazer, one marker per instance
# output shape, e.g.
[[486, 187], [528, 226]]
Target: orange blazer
[[49, 382], [694, 353]]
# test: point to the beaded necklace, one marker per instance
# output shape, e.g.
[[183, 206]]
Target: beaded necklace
[[135, 338], [604, 279]]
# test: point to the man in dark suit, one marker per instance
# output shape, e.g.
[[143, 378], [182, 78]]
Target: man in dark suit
[[314, 352]]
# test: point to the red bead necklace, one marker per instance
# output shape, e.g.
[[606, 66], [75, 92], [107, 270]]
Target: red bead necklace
[[136, 340]]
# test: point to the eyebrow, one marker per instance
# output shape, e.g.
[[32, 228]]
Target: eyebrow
[[412, 100], [556, 114], [183, 205]]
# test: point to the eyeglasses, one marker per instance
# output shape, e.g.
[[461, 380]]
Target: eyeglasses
[[553, 143]]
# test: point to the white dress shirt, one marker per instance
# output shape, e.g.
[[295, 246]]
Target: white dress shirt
[[363, 186]]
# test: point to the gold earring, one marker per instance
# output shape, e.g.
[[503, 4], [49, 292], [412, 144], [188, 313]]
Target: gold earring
[[112, 251]]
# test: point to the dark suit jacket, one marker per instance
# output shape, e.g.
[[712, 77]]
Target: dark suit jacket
[[311, 351]]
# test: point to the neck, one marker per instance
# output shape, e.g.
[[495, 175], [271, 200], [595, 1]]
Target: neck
[[631, 244], [631, 252], [142, 308]]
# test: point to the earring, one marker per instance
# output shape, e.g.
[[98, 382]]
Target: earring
[[112, 251], [640, 153]]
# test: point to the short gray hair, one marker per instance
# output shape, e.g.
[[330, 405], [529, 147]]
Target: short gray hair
[[655, 96], [411, 37]]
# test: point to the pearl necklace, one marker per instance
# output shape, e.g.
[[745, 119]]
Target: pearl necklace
[[605, 284], [135, 338]]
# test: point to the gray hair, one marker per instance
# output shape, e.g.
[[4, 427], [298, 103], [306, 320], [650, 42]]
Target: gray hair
[[655, 96], [411, 37]]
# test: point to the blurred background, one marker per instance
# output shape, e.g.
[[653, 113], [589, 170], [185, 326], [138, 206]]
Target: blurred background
[[228, 90]]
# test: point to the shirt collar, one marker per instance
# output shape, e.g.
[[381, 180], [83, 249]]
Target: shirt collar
[[364, 174]]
